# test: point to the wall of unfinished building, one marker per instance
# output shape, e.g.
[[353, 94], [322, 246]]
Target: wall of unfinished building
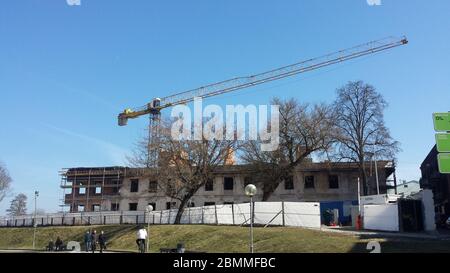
[[91, 190], [124, 198], [347, 190]]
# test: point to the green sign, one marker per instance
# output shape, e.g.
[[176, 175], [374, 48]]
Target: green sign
[[444, 162], [443, 143], [441, 122]]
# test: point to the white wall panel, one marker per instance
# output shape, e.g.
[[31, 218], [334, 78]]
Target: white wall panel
[[381, 217]]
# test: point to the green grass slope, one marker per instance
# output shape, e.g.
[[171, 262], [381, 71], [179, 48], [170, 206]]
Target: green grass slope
[[218, 239]]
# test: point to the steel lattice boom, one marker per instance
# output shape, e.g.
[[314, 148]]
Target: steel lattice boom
[[243, 82]]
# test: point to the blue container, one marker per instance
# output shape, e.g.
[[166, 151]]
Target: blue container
[[344, 215]]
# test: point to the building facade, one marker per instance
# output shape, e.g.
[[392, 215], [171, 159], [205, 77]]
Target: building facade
[[437, 182], [406, 188], [128, 189]]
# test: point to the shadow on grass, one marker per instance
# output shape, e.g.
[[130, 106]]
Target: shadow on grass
[[401, 245]]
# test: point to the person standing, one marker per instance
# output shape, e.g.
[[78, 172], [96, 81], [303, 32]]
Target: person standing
[[87, 241], [93, 241], [102, 241], [141, 237], [58, 244]]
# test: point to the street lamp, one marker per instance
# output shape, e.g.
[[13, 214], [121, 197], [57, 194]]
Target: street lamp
[[148, 210], [250, 190], [36, 194]]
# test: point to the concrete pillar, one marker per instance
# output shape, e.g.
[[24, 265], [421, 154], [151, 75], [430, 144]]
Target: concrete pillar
[[429, 223]]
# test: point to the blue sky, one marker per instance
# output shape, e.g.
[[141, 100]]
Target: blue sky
[[67, 71]]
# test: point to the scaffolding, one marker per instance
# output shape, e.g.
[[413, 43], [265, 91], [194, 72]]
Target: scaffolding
[[90, 188]]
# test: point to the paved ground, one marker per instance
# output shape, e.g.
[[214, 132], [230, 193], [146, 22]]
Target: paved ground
[[56, 252], [444, 231], [441, 234]]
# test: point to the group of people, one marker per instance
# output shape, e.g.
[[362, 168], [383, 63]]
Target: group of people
[[58, 245], [91, 240]]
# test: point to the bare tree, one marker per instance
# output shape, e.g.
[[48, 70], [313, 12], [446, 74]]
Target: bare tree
[[361, 130], [5, 182], [140, 154], [184, 166], [18, 205], [304, 130]]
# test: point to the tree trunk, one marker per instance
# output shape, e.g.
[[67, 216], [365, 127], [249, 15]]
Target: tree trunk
[[266, 194], [364, 181], [181, 209], [269, 188]]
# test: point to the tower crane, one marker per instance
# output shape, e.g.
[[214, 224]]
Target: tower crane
[[154, 107]]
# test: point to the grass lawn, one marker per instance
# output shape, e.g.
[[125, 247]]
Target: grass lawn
[[219, 239]]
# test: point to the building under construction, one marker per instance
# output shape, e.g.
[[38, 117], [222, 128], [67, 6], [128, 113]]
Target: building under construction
[[121, 188], [93, 189], [333, 184]]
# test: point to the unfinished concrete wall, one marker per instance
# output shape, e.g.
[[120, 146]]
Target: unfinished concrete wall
[[347, 190], [124, 199]]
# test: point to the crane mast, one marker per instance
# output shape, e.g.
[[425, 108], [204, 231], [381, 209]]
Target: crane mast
[[153, 108]]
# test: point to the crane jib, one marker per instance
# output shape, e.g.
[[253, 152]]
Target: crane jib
[[275, 74]]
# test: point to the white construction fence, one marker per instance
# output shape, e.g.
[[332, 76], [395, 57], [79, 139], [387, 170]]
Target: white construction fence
[[381, 217], [298, 214]]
